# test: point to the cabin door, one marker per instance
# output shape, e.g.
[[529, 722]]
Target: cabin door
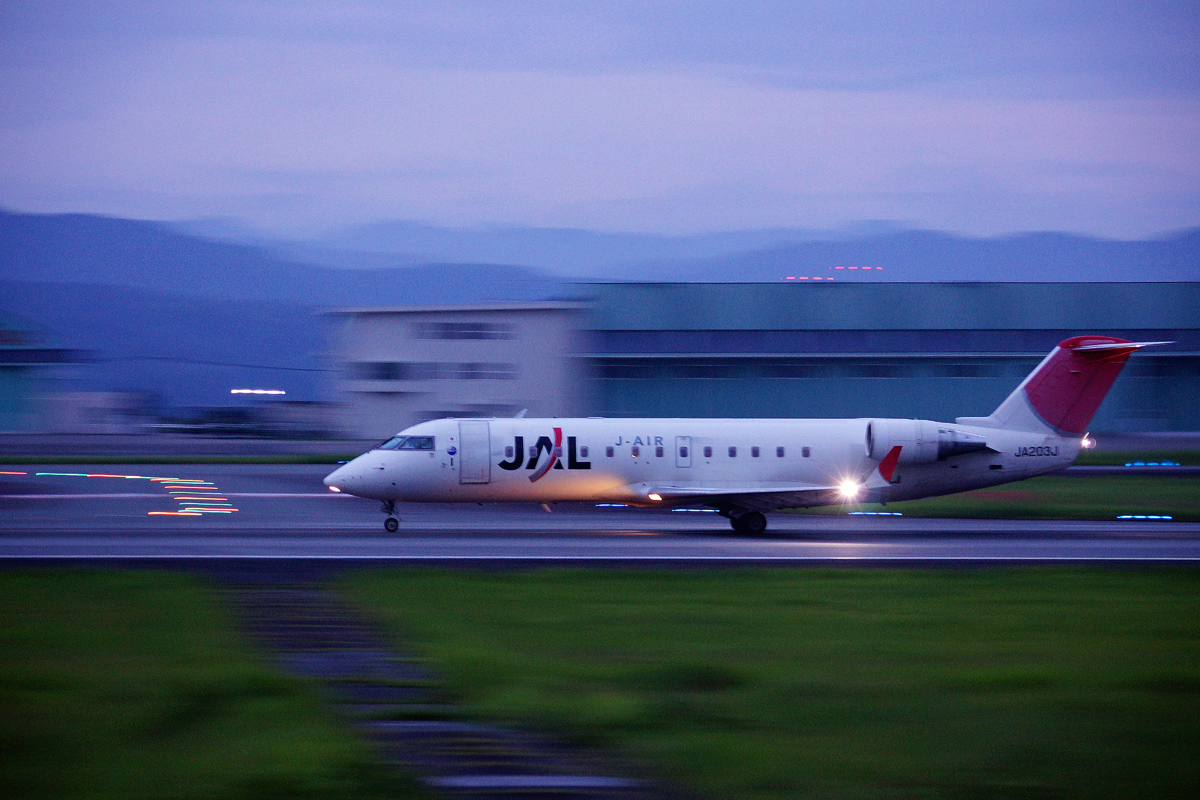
[[475, 457], [683, 451]]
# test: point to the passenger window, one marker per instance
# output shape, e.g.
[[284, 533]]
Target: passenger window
[[583, 451], [804, 451], [508, 452], [732, 452], [779, 452], [683, 451], [658, 451], [608, 451], [533, 451], [708, 452], [558, 452], [754, 452], [635, 451]]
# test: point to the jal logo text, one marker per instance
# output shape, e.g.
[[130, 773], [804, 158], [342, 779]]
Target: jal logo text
[[552, 448]]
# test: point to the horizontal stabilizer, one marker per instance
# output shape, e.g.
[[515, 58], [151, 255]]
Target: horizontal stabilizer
[[1117, 346]]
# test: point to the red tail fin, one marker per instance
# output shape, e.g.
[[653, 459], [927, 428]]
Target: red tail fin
[[1069, 386], [1063, 393]]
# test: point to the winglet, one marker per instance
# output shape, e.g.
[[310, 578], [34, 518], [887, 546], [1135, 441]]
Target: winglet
[[888, 465]]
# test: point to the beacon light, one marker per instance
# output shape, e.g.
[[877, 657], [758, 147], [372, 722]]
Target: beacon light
[[655, 496], [334, 489]]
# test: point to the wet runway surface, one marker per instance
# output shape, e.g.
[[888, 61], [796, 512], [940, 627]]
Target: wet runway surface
[[284, 512]]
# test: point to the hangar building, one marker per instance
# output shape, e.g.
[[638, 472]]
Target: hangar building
[[927, 350], [830, 349]]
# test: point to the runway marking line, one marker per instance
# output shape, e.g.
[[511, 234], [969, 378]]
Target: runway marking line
[[177, 486]]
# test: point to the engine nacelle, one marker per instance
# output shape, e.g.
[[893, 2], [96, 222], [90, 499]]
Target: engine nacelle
[[921, 441]]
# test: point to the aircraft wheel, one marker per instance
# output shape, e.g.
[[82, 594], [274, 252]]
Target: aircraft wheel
[[752, 522], [391, 524]]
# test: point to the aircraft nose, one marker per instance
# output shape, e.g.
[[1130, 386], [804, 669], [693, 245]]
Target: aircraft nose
[[337, 478]]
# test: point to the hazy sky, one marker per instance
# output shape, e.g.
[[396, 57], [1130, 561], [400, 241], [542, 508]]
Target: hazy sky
[[650, 116]]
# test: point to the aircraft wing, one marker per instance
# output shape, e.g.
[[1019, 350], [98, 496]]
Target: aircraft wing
[[771, 496], [759, 497]]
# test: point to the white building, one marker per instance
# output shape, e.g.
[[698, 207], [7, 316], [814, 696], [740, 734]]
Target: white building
[[401, 365]]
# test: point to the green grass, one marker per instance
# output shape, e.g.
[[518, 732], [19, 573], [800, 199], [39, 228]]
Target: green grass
[[1057, 497], [133, 685], [834, 684]]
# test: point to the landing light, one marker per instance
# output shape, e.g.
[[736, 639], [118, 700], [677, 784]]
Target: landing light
[[1088, 442], [849, 489], [654, 496], [334, 489]]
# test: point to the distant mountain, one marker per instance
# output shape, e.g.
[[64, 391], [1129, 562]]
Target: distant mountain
[[81, 248], [894, 253], [569, 252]]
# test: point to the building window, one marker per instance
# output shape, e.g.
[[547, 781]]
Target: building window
[[754, 452], [463, 330], [483, 371], [805, 452], [779, 452], [708, 452], [608, 451], [379, 370], [635, 451], [658, 452], [732, 452]]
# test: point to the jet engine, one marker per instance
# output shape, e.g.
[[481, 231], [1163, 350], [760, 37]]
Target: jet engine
[[921, 441]]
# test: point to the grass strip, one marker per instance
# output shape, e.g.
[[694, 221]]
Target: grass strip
[[133, 685], [1101, 497], [1030, 683]]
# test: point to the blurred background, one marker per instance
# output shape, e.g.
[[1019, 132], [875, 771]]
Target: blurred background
[[385, 213]]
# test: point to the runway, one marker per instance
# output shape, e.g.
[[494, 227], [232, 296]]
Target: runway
[[282, 513]]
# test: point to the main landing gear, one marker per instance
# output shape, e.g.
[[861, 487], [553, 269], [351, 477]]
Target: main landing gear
[[392, 523], [750, 522]]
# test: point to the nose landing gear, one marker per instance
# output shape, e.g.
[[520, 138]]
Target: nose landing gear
[[392, 523]]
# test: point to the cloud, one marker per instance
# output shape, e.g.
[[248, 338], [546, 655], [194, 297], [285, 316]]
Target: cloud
[[611, 115]]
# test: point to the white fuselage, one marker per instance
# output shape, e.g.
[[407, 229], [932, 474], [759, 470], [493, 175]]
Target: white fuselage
[[629, 460]]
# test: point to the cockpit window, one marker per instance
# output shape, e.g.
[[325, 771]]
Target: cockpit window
[[407, 443]]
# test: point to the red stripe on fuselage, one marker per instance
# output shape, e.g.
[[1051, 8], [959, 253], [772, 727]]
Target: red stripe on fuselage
[[887, 467]]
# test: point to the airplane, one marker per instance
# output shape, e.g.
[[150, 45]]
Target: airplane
[[745, 467]]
